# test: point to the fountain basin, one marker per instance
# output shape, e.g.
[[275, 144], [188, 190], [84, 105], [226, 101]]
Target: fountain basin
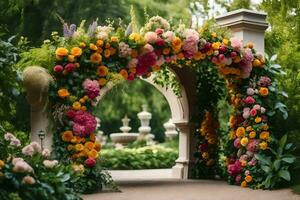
[[123, 138]]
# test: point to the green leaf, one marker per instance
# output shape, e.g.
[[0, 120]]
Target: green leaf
[[273, 58], [285, 174], [289, 159], [265, 168], [282, 141], [276, 164]]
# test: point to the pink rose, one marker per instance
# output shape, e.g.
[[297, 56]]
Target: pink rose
[[58, 68], [256, 107], [150, 37], [246, 112], [148, 48], [236, 44], [70, 67], [253, 112], [249, 100], [159, 31], [237, 143]]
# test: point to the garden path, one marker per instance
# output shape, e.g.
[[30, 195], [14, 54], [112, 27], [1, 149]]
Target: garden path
[[140, 185]]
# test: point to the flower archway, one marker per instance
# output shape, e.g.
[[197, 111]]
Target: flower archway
[[84, 61]]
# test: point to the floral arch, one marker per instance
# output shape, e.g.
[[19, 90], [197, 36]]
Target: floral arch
[[85, 61]]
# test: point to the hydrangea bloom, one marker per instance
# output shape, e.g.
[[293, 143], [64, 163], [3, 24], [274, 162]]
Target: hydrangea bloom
[[84, 123], [91, 88]]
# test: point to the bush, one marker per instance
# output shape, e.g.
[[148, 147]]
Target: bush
[[149, 157]]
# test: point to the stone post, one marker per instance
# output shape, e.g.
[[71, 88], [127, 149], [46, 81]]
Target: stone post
[[246, 25], [181, 169]]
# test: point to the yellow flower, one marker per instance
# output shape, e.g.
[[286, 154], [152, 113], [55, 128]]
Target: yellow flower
[[263, 91], [244, 184], [71, 58], [263, 145], [96, 58], [244, 141], [82, 45], [256, 63], [93, 154], [258, 120], [62, 93], [114, 39], [102, 70], [124, 73], [205, 155], [248, 179], [240, 132], [252, 134], [76, 105], [225, 41], [102, 81], [82, 100], [1, 164], [61, 52], [265, 127], [76, 51], [214, 35], [216, 45], [79, 147], [67, 136], [93, 47], [85, 97], [136, 37]]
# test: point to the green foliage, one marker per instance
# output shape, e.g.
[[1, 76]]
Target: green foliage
[[277, 166], [128, 98], [149, 157]]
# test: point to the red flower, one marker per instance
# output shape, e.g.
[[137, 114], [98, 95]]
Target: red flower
[[71, 113], [90, 162], [145, 62], [70, 67], [58, 68]]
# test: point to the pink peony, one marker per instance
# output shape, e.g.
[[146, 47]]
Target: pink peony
[[15, 142], [237, 143], [150, 37], [246, 69], [264, 81], [28, 150], [91, 88], [236, 44], [159, 31], [9, 136], [252, 145], [249, 100], [21, 166], [190, 45], [70, 67], [90, 162], [234, 169], [84, 123], [247, 55], [253, 112], [145, 62], [148, 48], [58, 68], [256, 107]]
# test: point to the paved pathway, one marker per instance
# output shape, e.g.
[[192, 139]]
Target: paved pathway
[[158, 185]]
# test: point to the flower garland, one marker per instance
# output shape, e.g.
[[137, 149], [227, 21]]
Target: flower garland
[[84, 61]]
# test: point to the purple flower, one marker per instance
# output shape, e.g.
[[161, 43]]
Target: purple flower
[[69, 31], [92, 29], [264, 81]]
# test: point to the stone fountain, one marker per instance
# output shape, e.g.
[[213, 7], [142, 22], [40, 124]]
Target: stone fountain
[[145, 128], [170, 132], [125, 137]]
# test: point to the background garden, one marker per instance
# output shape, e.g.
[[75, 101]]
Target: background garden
[[24, 22]]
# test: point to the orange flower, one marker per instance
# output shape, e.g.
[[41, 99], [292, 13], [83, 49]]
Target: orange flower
[[244, 184], [250, 45], [252, 134], [263, 91], [134, 53], [92, 137], [258, 120], [89, 145], [85, 97], [216, 45], [225, 41], [198, 55], [263, 145], [176, 44], [132, 70], [97, 146], [248, 179], [265, 127], [67, 136], [61, 52], [76, 51], [62, 93], [124, 73], [240, 132], [166, 51], [102, 81], [156, 68], [180, 56], [82, 100], [71, 58], [210, 52], [112, 51], [256, 63], [107, 45], [93, 47], [264, 135], [102, 70], [106, 53], [96, 58], [83, 108], [79, 147], [99, 43], [213, 35], [93, 154]]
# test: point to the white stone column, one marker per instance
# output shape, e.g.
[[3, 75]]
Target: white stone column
[[181, 169], [39, 122], [246, 25]]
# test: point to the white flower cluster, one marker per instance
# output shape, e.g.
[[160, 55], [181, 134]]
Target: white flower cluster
[[102, 32], [157, 22], [124, 50]]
